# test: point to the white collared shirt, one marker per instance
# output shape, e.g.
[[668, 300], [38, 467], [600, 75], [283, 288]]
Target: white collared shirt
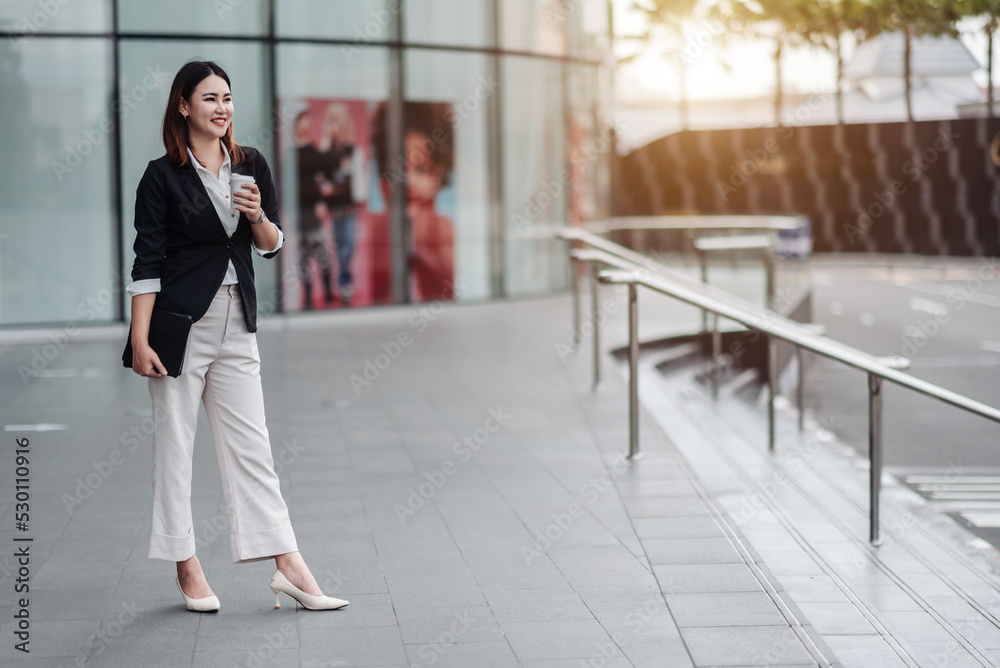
[[220, 196]]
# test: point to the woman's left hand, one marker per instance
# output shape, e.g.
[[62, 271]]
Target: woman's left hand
[[247, 200]]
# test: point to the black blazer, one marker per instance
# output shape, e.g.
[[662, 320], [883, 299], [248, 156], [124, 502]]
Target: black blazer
[[181, 241]]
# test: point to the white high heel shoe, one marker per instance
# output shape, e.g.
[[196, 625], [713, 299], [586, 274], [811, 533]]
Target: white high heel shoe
[[207, 604], [279, 583]]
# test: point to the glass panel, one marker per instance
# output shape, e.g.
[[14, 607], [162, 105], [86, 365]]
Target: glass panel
[[362, 21], [587, 28], [55, 183], [337, 231], [27, 17], [195, 17], [147, 70], [538, 26], [450, 22], [536, 175], [589, 138], [462, 81]]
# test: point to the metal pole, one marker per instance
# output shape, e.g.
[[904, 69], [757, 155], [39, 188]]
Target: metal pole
[[800, 391], [772, 386], [769, 277], [874, 453], [574, 279], [716, 354], [594, 270], [633, 372], [703, 260]]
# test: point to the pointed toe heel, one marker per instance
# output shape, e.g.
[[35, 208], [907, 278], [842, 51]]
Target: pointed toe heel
[[207, 604], [279, 583]]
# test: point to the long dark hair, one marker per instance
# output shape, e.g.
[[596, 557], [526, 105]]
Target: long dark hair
[[175, 129]]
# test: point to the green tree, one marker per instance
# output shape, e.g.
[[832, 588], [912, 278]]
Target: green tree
[[989, 11], [665, 21], [783, 21], [916, 18], [826, 24]]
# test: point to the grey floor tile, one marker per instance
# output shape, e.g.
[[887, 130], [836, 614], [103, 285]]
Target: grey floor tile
[[683, 506], [746, 646], [495, 654], [281, 658], [155, 651], [944, 654], [435, 591], [836, 618], [352, 647], [691, 551], [813, 589], [559, 640], [447, 626], [864, 652], [916, 626], [677, 527], [229, 631], [537, 605], [51, 639], [695, 578], [727, 609]]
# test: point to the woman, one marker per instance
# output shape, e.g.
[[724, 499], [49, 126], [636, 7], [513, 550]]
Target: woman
[[192, 247], [339, 152]]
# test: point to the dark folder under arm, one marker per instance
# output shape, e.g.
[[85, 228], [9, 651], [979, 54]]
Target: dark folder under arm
[[168, 337]]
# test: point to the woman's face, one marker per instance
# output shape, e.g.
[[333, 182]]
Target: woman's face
[[210, 109], [423, 177]]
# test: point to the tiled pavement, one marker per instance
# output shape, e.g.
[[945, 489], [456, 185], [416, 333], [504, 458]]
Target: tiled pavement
[[459, 541]]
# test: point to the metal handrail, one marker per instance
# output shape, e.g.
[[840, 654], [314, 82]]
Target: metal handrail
[[634, 269]]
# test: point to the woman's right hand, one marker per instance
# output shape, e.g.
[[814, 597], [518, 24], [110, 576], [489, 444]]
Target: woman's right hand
[[146, 362]]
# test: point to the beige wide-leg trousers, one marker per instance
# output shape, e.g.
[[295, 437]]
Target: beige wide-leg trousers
[[222, 369]]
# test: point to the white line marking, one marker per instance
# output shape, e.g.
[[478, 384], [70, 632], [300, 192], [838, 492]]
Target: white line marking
[[35, 427], [928, 306], [985, 520]]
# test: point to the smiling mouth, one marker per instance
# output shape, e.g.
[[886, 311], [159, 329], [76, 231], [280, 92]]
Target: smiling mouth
[[219, 121]]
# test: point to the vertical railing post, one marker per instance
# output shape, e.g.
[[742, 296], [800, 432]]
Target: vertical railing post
[[769, 282], [800, 391], [633, 371], [594, 298], [703, 261], [772, 387], [874, 453], [715, 368], [574, 278]]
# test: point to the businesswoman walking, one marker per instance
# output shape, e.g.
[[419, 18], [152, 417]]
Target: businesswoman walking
[[192, 256]]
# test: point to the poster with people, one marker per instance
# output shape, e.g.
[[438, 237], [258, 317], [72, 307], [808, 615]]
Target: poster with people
[[342, 238]]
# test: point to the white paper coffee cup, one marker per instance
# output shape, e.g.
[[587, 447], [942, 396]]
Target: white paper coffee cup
[[236, 182]]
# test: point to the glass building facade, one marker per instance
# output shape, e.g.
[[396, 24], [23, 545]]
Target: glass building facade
[[458, 134]]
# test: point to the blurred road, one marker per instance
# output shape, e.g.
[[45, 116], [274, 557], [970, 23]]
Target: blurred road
[[947, 321]]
